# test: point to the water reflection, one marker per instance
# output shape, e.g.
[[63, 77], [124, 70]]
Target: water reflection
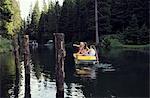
[[43, 87], [7, 75], [73, 90], [43, 62], [43, 73], [130, 78]]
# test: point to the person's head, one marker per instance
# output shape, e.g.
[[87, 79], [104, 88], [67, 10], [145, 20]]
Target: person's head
[[85, 45], [82, 44]]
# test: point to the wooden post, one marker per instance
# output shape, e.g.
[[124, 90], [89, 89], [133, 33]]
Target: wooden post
[[59, 63], [16, 51], [27, 66], [17, 63]]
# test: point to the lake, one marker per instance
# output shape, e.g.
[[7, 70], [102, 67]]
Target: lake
[[121, 73]]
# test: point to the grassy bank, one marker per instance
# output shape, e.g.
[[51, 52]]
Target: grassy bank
[[5, 45], [116, 44], [114, 41], [136, 46]]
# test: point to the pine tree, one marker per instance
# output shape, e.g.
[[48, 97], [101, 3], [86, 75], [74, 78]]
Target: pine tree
[[104, 16], [132, 33], [90, 22], [57, 15], [53, 17], [122, 10], [35, 21], [76, 19], [81, 21], [144, 35], [43, 23], [67, 20]]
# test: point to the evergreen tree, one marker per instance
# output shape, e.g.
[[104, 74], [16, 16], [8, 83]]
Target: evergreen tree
[[27, 22], [53, 18], [35, 21], [76, 19], [140, 9], [122, 11], [10, 18], [119, 14], [67, 20], [43, 23], [42, 27], [90, 22], [57, 15], [144, 35], [132, 33], [104, 8], [81, 22]]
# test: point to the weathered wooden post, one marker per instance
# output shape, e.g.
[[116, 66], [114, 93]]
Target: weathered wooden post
[[59, 63], [16, 51], [27, 66], [17, 63]]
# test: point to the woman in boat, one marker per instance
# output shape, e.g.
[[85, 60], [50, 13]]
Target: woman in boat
[[85, 50], [91, 51], [82, 48]]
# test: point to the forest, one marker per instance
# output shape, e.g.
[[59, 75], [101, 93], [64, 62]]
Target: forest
[[37, 61], [119, 21]]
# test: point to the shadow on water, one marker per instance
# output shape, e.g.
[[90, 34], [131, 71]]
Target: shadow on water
[[7, 75], [43, 61], [69, 65], [121, 73], [129, 77]]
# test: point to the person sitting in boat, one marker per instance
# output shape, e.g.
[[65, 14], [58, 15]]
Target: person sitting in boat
[[91, 51], [85, 50], [82, 48]]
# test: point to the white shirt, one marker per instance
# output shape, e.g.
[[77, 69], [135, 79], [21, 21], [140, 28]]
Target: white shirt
[[92, 52]]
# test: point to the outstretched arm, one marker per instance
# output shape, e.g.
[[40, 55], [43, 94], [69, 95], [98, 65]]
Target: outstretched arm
[[76, 45]]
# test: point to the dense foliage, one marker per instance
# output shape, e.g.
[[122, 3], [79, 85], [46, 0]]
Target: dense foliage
[[76, 19], [5, 45], [10, 19]]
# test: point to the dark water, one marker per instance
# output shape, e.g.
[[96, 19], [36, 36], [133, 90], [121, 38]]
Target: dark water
[[121, 73]]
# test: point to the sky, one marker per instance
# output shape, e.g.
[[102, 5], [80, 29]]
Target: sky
[[25, 6]]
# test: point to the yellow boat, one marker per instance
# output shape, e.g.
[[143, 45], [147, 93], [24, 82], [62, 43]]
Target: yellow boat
[[80, 59]]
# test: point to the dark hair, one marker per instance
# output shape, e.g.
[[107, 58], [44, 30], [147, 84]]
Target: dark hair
[[86, 46]]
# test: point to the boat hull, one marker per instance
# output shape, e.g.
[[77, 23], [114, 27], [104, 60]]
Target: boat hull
[[79, 59]]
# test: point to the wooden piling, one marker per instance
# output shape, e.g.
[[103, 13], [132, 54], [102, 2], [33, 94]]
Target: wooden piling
[[59, 63], [17, 63], [27, 66], [16, 50]]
